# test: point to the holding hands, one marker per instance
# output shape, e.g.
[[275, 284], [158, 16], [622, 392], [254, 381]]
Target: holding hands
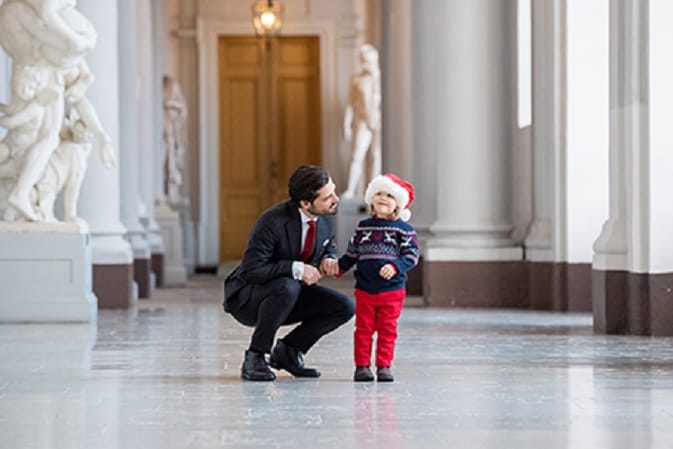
[[311, 275], [329, 267]]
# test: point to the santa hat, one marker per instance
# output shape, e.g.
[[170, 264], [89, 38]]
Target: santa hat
[[401, 190]]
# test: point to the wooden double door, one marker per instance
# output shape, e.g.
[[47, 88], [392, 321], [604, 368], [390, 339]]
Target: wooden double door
[[269, 123]]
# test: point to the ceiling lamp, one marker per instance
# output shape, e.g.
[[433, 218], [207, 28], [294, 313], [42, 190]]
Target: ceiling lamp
[[267, 16]]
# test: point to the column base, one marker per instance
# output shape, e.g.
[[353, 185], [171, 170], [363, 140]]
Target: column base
[[632, 303], [475, 284], [45, 273], [415, 279], [175, 270], [474, 276], [142, 274], [113, 285], [560, 287], [157, 263]]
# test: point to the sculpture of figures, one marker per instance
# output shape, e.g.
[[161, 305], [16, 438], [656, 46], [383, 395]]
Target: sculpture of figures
[[24, 116], [47, 41], [45, 32], [65, 171], [362, 119], [175, 117]]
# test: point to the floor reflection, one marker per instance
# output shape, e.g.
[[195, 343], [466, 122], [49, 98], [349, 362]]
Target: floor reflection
[[167, 376]]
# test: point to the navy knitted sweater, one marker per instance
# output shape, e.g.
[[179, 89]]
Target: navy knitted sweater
[[374, 243]]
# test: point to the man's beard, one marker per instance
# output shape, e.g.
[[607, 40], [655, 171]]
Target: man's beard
[[313, 211]]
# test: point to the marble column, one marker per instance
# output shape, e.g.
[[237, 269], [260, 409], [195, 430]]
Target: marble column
[[396, 74], [470, 259], [129, 149], [99, 203], [161, 60], [542, 241], [399, 154], [147, 133], [632, 280], [185, 66]]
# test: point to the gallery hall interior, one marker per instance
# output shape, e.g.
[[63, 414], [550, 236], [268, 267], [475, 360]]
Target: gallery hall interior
[[158, 229]]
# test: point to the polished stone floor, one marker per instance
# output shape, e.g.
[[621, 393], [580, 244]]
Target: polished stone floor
[[166, 376]]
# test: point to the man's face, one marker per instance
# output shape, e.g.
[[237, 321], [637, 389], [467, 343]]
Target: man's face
[[325, 204]]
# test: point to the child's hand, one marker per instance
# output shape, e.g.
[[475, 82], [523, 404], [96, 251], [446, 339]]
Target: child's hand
[[387, 271], [329, 267]]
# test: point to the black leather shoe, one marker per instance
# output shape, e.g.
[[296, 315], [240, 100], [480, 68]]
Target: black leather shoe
[[255, 367], [291, 360]]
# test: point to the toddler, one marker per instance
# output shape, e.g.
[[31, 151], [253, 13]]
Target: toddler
[[385, 248]]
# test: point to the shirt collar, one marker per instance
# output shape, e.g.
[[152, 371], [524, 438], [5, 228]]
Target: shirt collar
[[304, 218]]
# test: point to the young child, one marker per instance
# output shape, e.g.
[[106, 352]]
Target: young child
[[385, 248]]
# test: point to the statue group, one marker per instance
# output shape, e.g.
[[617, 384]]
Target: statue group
[[51, 125]]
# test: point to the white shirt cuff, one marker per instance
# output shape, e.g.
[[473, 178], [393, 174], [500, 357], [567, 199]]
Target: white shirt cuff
[[297, 270]]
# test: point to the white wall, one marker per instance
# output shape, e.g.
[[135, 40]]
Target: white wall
[[661, 137], [524, 60], [588, 109]]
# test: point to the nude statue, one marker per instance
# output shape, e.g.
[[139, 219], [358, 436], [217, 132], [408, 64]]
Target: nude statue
[[65, 172], [23, 118], [175, 116], [362, 119]]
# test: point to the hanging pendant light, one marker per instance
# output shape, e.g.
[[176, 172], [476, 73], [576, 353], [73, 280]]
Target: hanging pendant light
[[267, 17]]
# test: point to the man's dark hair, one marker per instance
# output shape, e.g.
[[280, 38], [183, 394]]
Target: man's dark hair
[[305, 182]]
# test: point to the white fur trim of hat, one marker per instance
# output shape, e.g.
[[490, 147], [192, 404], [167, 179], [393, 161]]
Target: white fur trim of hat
[[401, 190]]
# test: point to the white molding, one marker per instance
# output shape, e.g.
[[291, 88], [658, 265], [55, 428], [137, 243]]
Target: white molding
[[208, 31], [512, 254]]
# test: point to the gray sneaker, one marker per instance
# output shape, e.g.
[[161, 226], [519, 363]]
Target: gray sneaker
[[384, 374], [363, 374]]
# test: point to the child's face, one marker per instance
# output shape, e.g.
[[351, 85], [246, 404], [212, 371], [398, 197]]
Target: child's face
[[384, 205]]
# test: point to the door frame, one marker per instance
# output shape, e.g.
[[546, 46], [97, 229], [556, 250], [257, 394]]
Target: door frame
[[208, 32]]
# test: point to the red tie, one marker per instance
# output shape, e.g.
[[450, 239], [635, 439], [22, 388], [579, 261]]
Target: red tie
[[309, 242]]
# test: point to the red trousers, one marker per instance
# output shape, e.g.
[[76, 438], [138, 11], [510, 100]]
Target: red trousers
[[376, 312]]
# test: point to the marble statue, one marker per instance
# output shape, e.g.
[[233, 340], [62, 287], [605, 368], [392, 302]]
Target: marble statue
[[47, 41], [362, 120], [175, 118], [65, 171]]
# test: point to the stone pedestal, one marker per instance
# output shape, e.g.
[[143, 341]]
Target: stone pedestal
[[175, 271], [45, 273], [351, 211], [188, 238]]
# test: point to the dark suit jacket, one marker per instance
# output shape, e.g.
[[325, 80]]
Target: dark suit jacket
[[274, 243]]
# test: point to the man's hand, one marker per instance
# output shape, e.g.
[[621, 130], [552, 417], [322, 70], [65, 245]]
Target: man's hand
[[311, 275], [329, 267]]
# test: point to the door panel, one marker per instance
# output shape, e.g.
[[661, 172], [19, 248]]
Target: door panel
[[269, 123], [298, 108], [243, 94]]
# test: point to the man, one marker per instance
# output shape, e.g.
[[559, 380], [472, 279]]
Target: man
[[290, 248]]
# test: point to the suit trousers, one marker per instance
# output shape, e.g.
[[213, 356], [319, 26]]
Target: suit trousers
[[283, 301], [376, 312]]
